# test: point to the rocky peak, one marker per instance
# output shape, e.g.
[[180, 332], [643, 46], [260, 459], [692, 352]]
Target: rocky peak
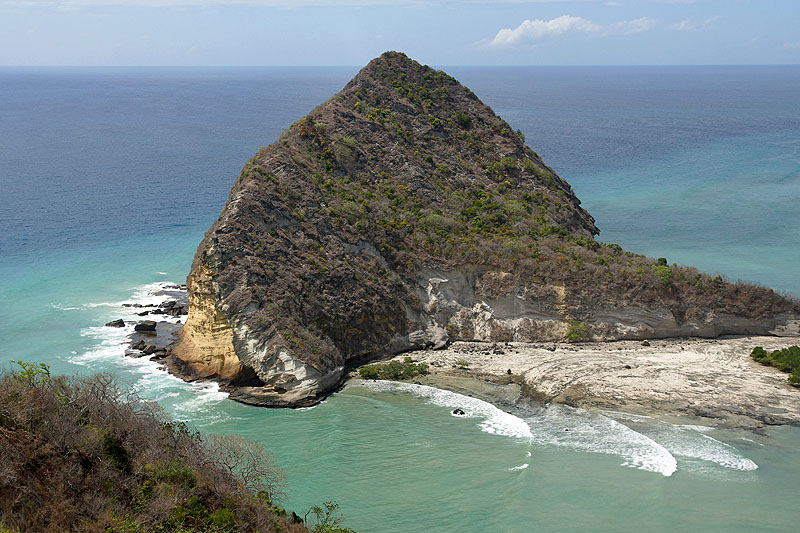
[[403, 213]]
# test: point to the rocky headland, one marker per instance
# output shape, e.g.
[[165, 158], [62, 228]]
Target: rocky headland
[[404, 214]]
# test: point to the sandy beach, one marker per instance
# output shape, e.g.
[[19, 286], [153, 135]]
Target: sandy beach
[[715, 378]]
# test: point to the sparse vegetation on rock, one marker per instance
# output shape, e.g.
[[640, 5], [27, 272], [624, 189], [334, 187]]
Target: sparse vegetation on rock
[[326, 249]]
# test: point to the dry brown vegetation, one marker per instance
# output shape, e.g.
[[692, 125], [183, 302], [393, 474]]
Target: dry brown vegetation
[[79, 454]]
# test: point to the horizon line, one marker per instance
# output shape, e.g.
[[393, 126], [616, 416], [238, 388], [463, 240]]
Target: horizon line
[[440, 66]]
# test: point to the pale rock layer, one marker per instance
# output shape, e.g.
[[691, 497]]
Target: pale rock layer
[[453, 309]]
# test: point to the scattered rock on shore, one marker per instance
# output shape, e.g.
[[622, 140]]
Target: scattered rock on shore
[[118, 323]]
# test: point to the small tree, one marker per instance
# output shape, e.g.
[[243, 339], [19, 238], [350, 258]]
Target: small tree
[[248, 462], [325, 519]]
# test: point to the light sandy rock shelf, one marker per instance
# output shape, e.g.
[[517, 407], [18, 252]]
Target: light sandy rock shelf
[[710, 378]]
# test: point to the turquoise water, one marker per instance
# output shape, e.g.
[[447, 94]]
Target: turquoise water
[[111, 176]]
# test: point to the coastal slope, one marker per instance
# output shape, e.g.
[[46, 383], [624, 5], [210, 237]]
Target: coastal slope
[[402, 214]]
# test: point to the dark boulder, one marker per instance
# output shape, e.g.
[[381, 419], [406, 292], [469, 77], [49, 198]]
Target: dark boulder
[[118, 323], [147, 325]]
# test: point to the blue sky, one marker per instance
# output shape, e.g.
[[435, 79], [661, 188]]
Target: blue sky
[[351, 32]]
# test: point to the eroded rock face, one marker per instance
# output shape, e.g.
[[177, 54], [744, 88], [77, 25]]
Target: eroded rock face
[[206, 340], [402, 214], [456, 305]]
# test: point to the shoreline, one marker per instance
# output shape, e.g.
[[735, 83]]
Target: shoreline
[[714, 379]]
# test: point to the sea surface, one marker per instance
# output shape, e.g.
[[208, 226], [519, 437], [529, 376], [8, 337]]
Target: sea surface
[[109, 178]]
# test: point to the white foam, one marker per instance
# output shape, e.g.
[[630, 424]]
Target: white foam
[[688, 442], [101, 304], [152, 382], [697, 450], [202, 407], [162, 273], [495, 421], [310, 407], [695, 427], [559, 425], [148, 294], [517, 468], [112, 344]]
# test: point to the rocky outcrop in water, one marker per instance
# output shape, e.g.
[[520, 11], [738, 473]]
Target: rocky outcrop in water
[[403, 213]]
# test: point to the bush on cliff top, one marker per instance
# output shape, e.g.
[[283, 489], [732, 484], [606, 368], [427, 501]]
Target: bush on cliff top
[[79, 454]]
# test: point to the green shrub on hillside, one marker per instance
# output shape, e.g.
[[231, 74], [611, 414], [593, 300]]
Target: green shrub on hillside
[[462, 119], [785, 360], [577, 331], [663, 272], [394, 370]]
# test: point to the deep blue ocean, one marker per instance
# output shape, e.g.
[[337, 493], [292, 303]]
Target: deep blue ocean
[[110, 176]]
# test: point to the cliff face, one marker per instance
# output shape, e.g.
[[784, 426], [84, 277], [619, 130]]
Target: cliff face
[[403, 213]]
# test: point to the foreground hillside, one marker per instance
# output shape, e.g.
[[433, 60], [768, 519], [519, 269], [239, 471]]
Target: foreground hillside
[[80, 455], [403, 213]]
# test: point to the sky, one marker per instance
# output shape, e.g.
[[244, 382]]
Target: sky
[[443, 33]]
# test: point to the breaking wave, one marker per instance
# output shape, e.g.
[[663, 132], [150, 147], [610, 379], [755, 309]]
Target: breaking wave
[[494, 420]]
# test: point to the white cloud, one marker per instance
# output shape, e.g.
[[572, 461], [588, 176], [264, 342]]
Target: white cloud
[[684, 25], [533, 30], [631, 26], [694, 25], [536, 30]]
